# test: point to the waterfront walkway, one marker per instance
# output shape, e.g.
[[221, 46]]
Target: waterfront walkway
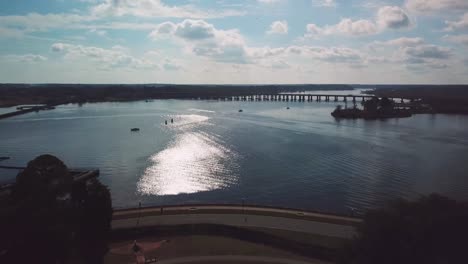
[[238, 216]]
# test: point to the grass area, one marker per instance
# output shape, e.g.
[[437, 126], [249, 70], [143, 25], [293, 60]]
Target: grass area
[[312, 239], [202, 245]]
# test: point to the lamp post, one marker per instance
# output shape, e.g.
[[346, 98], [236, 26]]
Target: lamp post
[[243, 210]]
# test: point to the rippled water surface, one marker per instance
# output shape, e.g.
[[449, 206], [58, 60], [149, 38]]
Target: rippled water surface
[[267, 154]]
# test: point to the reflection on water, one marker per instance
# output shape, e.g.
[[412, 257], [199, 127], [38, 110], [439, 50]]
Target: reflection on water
[[193, 162], [268, 155]]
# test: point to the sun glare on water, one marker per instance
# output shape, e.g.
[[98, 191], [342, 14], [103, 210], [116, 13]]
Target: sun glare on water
[[193, 162]]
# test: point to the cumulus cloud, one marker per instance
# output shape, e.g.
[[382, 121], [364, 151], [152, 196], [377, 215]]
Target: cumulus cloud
[[428, 6], [324, 54], [156, 8], [278, 27], [195, 29], [405, 42], [460, 24], [398, 42], [392, 17], [345, 27], [414, 53], [426, 56], [428, 52], [203, 39], [388, 17]]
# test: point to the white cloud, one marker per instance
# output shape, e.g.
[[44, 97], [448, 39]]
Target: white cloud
[[278, 27], [324, 3], [156, 8], [325, 54], [462, 23], [203, 39], [429, 6], [195, 30], [388, 17], [392, 17], [428, 52], [117, 57], [405, 42], [426, 56], [345, 27], [413, 53], [27, 58], [399, 42], [461, 39], [99, 32]]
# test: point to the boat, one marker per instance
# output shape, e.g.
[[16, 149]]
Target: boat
[[135, 129], [287, 107], [240, 111]]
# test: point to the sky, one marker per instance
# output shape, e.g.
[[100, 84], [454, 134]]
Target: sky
[[234, 41]]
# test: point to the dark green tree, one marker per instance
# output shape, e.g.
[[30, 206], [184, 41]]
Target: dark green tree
[[432, 230], [371, 105], [54, 219], [95, 223], [386, 105]]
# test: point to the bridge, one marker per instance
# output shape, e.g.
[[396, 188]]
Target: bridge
[[307, 97]]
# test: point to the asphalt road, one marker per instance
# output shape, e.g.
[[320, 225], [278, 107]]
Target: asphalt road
[[271, 218]]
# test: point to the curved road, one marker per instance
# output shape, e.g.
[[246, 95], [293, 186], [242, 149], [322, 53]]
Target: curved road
[[234, 259], [239, 216]]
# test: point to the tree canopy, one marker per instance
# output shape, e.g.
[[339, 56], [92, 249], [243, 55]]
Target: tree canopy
[[430, 230], [52, 218]]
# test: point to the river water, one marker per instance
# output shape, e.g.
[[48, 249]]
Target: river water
[[299, 157]]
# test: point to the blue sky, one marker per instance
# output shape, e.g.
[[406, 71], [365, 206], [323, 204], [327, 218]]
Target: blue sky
[[234, 41]]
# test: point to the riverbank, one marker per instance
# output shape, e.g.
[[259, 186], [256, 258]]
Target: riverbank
[[22, 111], [18, 94]]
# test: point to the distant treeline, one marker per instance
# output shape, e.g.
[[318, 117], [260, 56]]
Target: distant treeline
[[442, 98], [54, 94]]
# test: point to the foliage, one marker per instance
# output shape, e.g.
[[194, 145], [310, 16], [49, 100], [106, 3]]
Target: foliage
[[371, 105], [431, 230], [51, 218], [95, 222]]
